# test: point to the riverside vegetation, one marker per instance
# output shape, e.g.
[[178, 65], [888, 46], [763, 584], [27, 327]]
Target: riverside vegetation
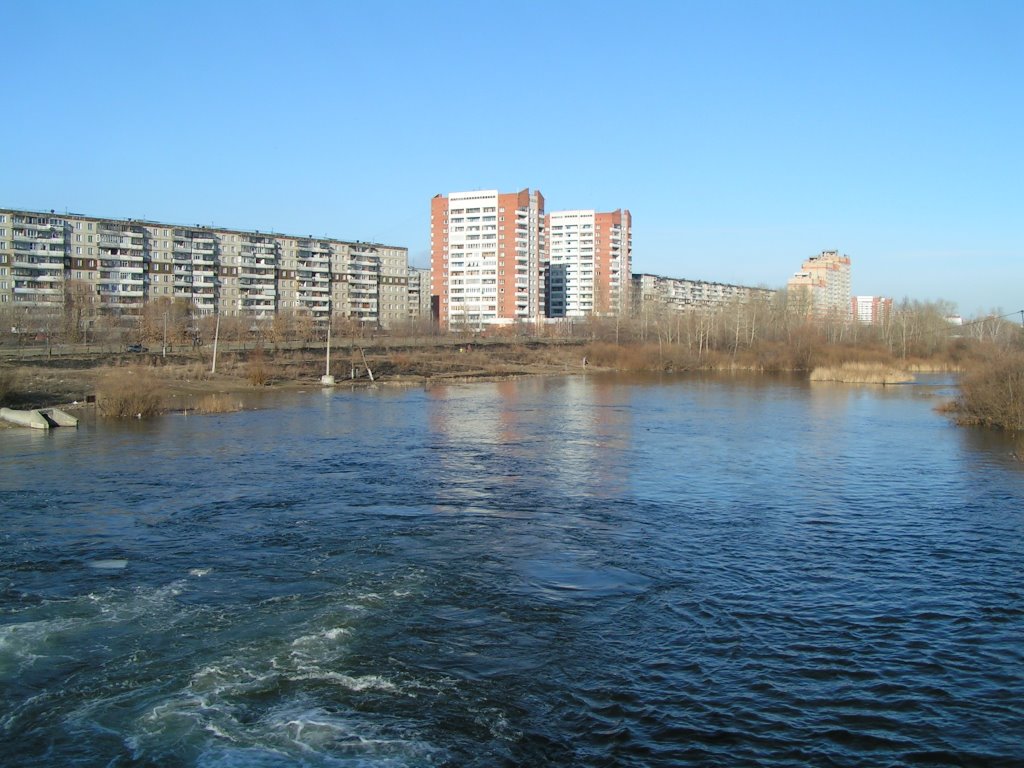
[[50, 360]]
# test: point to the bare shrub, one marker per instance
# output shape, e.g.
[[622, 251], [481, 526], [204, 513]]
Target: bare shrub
[[129, 392], [258, 372], [992, 395]]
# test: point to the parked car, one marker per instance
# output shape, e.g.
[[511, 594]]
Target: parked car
[[136, 348]]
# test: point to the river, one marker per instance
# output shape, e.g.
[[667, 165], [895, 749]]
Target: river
[[579, 571]]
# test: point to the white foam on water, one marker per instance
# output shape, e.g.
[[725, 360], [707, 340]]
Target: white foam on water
[[24, 644], [56, 630], [363, 683], [199, 572], [318, 638], [296, 731]]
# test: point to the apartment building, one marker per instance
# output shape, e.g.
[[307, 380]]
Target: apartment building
[[652, 292], [33, 247], [871, 310], [588, 262], [393, 287], [119, 264], [485, 257], [419, 294], [824, 283]]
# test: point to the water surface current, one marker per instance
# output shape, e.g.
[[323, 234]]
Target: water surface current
[[579, 571]]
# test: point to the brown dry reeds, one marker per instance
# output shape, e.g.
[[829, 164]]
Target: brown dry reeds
[[129, 393], [217, 403], [258, 371], [633, 357], [862, 373], [992, 395]]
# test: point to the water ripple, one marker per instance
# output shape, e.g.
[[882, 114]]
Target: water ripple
[[551, 572]]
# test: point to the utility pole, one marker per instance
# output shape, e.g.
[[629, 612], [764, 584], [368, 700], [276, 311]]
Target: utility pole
[[164, 353], [216, 335]]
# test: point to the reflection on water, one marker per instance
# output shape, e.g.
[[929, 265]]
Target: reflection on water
[[556, 571]]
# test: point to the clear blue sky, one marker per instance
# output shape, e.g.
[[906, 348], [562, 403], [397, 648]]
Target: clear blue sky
[[743, 136]]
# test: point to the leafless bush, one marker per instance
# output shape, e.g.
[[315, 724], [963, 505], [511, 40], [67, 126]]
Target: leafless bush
[[129, 392], [258, 371], [992, 395]]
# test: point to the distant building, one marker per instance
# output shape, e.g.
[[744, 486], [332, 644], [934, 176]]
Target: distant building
[[681, 295], [485, 257], [824, 282], [47, 259], [588, 262], [871, 310], [419, 294]]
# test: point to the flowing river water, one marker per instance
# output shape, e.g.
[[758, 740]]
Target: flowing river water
[[579, 571]]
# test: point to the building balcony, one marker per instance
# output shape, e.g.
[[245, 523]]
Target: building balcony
[[37, 291], [48, 265], [38, 237], [256, 292], [34, 223]]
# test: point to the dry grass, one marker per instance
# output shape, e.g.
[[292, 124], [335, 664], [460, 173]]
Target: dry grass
[[992, 395], [129, 393], [257, 370], [217, 403], [631, 357], [862, 373]]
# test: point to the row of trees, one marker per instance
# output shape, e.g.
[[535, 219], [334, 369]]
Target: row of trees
[[912, 329]]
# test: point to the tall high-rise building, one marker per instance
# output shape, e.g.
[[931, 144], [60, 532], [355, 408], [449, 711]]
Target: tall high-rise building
[[485, 257], [871, 310], [588, 262], [824, 282]]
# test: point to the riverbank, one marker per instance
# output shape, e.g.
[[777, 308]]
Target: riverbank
[[187, 380], [72, 377]]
